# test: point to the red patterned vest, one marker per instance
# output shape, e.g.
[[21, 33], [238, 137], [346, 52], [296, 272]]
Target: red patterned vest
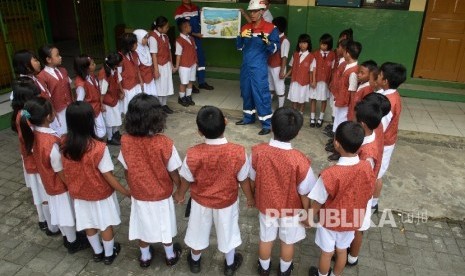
[[278, 175], [83, 177], [336, 76], [163, 55], [92, 93], [380, 140], [43, 143], [29, 162], [129, 75], [215, 169], [147, 160], [390, 135], [343, 95], [349, 189], [275, 59], [356, 98], [146, 72], [301, 70], [112, 96], [59, 89], [188, 55], [371, 150], [324, 66]]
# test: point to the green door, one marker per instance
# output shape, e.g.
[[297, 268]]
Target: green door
[[90, 28]]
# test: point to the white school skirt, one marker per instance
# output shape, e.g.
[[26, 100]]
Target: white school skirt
[[165, 82], [59, 124], [150, 88], [112, 115], [152, 221], [128, 95], [298, 93], [100, 129], [320, 92], [97, 214], [61, 209], [34, 182]]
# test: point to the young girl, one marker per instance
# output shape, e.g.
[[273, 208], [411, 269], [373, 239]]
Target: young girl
[[88, 168], [110, 88], [43, 144], [145, 65], [131, 80], [24, 89], [302, 70], [324, 58], [160, 49], [57, 82], [87, 89], [26, 64], [145, 151]]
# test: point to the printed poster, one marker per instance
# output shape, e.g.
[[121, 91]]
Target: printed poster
[[220, 23]]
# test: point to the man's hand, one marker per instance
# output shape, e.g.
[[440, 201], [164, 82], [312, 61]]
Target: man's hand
[[265, 39], [246, 33]]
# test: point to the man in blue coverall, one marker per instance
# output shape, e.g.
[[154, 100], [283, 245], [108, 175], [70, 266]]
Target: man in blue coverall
[[258, 40]]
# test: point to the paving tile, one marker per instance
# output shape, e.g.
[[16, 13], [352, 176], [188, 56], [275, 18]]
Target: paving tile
[[8, 268], [410, 126], [428, 128]]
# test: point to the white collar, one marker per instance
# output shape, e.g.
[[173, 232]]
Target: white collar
[[363, 85], [49, 69], [45, 130], [217, 141], [341, 60], [324, 52], [388, 91], [369, 139], [185, 36], [281, 35], [348, 161], [350, 65], [303, 53], [279, 144]]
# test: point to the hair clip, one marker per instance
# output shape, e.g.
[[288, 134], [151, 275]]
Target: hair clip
[[25, 113]]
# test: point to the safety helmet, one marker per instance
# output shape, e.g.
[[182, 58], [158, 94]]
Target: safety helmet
[[256, 5]]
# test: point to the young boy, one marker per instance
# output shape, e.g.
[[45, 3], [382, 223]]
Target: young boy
[[390, 77], [283, 177], [340, 197], [364, 88], [211, 170], [277, 62], [186, 62]]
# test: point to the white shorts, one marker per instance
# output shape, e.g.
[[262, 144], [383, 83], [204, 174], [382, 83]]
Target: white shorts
[[152, 221], [328, 239], [187, 74], [276, 84], [226, 222], [340, 116], [387, 153], [100, 129], [367, 219], [112, 115], [61, 210], [332, 104], [97, 214], [290, 229]]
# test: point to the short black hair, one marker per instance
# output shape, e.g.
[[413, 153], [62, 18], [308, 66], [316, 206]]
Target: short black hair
[[343, 43], [127, 42], [379, 99], [159, 22], [394, 73], [371, 65], [281, 23], [22, 62], [350, 136], [145, 116], [347, 33], [304, 38], [368, 113], [354, 49], [180, 22], [328, 40], [210, 122], [286, 123]]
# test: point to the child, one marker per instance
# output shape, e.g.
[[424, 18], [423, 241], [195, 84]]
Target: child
[[24, 89], [364, 88], [43, 144], [347, 84], [324, 58], [56, 81], [111, 91], [145, 62], [302, 69], [340, 197], [144, 151], [87, 89], [211, 170], [160, 49], [26, 64], [186, 62], [131, 80], [87, 167], [277, 62], [391, 76], [279, 188]]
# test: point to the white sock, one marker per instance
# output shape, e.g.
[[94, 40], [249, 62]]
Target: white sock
[[319, 273], [169, 251], [264, 263], [145, 253], [95, 243], [108, 246], [48, 218], [109, 133], [40, 213], [188, 92], [162, 100], [195, 257], [351, 259], [230, 256], [182, 94], [70, 233], [374, 202], [115, 129], [312, 115], [281, 101], [284, 266], [322, 115]]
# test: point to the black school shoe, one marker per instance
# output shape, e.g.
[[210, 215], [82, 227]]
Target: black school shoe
[[77, 245], [319, 123], [189, 100], [167, 109], [229, 270], [43, 225], [347, 262], [177, 254], [195, 89], [312, 123], [264, 131], [313, 271], [116, 249], [194, 266], [263, 272], [117, 135], [287, 272], [183, 101], [146, 263], [374, 209], [206, 86], [51, 234]]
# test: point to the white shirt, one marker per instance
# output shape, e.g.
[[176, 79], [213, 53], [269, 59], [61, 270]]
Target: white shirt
[[153, 44], [363, 85], [179, 47], [267, 16], [53, 73], [388, 118], [81, 92], [309, 181], [173, 163], [285, 45], [241, 175], [353, 81]]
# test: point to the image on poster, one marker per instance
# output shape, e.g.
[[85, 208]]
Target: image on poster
[[220, 23]]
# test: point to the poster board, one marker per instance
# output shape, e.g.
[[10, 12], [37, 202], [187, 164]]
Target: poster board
[[220, 23]]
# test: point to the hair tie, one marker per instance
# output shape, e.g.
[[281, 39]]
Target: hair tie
[[106, 59], [25, 113]]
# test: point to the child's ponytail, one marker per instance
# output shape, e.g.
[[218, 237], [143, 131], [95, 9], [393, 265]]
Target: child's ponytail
[[24, 89], [26, 131], [111, 62]]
